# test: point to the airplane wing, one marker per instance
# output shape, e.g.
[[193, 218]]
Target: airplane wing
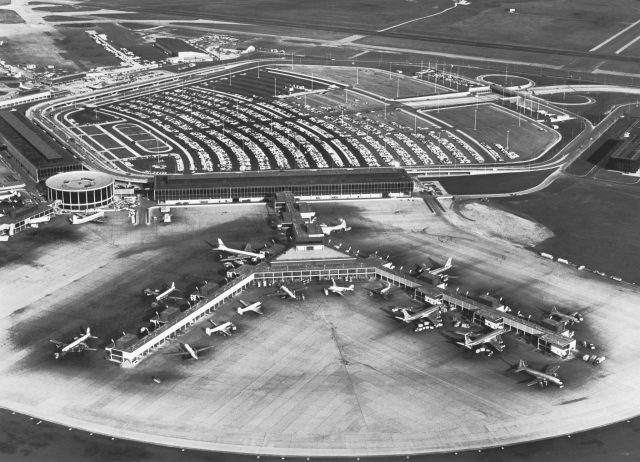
[[434, 317], [533, 382], [245, 304], [176, 353], [198, 350], [259, 310], [496, 343], [58, 343], [340, 293], [551, 370], [248, 248]]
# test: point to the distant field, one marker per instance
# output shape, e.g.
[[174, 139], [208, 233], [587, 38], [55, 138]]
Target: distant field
[[492, 122], [595, 224], [381, 82], [560, 24]]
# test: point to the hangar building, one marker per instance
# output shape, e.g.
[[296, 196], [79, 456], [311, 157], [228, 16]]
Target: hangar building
[[180, 49], [304, 184], [37, 154]]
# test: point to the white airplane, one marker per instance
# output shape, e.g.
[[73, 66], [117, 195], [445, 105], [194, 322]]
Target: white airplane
[[383, 291], [542, 378], [96, 217], [342, 226], [408, 316], [336, 289], [440, 269], [247, 252], [573, 318], [190, 352], [492, 338], [156, 321], [78, 344], [224, 328], [292, 294], [159, 296], [256, 307]]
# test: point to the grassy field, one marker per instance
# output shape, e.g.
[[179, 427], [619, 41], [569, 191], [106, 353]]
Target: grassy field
[[79, 48], [378, 81], [595, 224], [492, 122]]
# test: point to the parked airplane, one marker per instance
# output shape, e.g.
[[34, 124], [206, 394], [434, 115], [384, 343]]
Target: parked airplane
[[159, 296], [96, 217], [75, 346], [336, 289], [572, 318], [246, 253], [224, 328], [408, 316], [493, 338], [256, 307], [292, 294], [190, 352], [156, 321], [434, 270], [342, 226], [542, 378], [383, 291]]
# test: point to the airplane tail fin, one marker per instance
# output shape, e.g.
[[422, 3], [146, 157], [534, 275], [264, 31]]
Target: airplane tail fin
[[89, 333], [521, 366], [333, 282], [449, 262], [220, 243], [239, 310], [208, 330], [554, 310], [351, 287]]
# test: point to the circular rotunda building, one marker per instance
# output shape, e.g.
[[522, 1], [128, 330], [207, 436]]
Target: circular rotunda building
[[81, 190]]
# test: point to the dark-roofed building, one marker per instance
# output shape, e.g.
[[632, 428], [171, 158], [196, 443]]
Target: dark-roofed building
[[180, 49], [303, 184], [40, 156], [626, 156]]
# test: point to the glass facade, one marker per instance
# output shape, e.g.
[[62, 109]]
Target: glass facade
[[264, 191], [83, 200]]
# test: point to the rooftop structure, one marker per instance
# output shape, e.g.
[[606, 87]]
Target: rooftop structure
[[81, 190]]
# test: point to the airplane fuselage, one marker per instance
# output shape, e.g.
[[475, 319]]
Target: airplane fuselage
[[76, 343], [485, 338], [253, 307], [190, 351], [408, 318]]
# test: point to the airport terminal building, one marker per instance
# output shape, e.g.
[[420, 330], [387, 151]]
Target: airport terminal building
[[306, 185]]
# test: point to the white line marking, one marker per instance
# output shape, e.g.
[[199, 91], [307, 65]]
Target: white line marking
[[420, 19], [620, 50], [615, 36]]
